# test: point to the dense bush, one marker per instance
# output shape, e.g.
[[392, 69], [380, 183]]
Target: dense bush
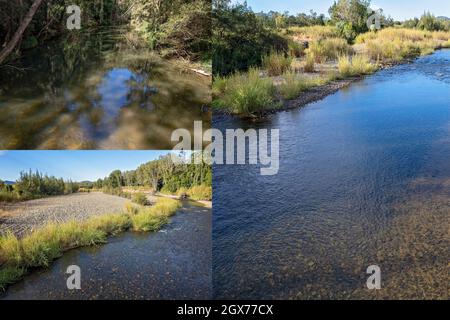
[[140, 199], [240, 39], [179, 27], [161, 174], [32, 185]]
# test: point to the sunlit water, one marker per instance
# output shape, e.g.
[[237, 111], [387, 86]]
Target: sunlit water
[[174, 263], [364, 179], [94, 92]]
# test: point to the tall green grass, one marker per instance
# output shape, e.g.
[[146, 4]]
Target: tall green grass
[[276, 63], [355, 65], [244, 93], [314, 32], [329, 49], [201, 192], [309, 62], [293, 84], [396, 44], [153, 218], [41, 247]]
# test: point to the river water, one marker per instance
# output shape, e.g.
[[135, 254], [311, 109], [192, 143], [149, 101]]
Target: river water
[[364, 180], [94, 91], [174, 263]]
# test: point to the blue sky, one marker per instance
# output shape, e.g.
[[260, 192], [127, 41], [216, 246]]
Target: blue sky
[[398, 9], [75, 165]]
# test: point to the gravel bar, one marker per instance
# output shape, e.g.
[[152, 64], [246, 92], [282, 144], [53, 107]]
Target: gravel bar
[[24, 217]]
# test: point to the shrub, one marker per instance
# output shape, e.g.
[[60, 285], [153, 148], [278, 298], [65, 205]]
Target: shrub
[[295, 49], [276, 63], [140, 198], [7, 196]]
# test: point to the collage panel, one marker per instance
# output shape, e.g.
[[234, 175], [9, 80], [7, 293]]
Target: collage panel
[[109, 225], [335, 121], [103, 74]]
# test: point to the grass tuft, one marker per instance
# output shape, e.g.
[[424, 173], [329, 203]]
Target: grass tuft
[[245, 93], [276, 63], [153, 218], [356, 65]]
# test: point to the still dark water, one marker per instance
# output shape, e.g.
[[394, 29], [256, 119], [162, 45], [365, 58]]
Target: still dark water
[[364, 179], [174, 263], [92, 91]]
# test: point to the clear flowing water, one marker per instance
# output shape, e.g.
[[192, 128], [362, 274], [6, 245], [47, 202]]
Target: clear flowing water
[[174, 263], [364, 179], [92, 91]]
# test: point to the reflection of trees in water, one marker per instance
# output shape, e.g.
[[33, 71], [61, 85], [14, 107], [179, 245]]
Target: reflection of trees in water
[[59, 102]]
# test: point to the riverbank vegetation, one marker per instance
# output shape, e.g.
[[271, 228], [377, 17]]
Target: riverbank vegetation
[[161, 175], [34, 185], [285, 55], [41, 247], [193, 180], [176, 28]]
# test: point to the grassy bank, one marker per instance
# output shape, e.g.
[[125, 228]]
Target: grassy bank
[[285, 76], [41, 247], [197, 193]]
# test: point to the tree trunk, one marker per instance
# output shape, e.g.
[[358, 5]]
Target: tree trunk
[[18, 35]]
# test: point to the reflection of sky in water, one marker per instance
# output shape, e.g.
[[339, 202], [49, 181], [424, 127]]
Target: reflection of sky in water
[[114, 90], [118, 89]]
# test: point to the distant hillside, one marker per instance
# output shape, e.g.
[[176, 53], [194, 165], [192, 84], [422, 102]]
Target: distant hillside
[[9, 182], [443, 18]]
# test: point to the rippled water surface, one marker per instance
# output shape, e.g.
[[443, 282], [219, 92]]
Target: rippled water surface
[[92, 91], [174, 263], [364, 179]]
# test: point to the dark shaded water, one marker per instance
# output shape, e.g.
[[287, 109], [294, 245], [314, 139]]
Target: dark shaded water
[[174, 263], [364, 179], [91, 91]]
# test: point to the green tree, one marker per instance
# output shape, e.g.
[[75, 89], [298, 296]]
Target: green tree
[[429, 22], [350, 16]]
